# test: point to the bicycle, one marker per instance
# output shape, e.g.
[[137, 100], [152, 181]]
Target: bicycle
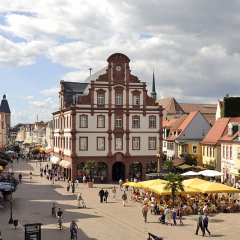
[[74, 234]]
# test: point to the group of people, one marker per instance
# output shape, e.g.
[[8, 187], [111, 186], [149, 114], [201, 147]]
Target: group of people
[[59, 215]]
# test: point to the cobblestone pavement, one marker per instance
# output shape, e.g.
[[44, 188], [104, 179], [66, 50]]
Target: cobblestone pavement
[[98, 221]]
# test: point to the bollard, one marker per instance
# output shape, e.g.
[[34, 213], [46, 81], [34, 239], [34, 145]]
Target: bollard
[[15, 223]]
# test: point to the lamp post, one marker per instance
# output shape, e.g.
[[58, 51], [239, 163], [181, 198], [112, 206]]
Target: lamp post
[[158, 160], [11, 216]]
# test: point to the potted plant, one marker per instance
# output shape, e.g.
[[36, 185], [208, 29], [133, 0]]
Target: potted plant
[[89, 167]]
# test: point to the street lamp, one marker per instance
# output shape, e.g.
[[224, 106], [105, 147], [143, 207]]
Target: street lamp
[[158, 160], [11, 216]]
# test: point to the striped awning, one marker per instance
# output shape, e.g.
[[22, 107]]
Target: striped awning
[[65, 164]]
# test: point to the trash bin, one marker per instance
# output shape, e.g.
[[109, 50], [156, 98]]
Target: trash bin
[[15, 223]]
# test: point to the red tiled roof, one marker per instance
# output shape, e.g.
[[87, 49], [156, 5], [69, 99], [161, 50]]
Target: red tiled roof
[[187, 120], [225, 136], [169, 122], [216, 132], [170, 105]]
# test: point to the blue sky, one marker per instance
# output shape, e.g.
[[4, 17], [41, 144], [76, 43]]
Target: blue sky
[[193, 47]]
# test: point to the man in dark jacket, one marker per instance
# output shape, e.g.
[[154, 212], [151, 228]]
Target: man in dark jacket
[[101, 195]]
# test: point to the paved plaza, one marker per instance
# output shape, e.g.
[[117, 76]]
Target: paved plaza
[[98, 221]]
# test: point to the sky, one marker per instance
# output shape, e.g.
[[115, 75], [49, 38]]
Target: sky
[[193, 46]]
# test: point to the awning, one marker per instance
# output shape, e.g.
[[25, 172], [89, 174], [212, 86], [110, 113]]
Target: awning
[[48, 150], [184, 166], [65, 164], [190, 173], [234, 171], [54, 160]]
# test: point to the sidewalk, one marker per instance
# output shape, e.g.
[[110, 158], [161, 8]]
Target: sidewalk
[[102, 221]]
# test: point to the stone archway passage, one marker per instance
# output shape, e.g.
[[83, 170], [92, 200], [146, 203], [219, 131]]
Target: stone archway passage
[[118, 171]]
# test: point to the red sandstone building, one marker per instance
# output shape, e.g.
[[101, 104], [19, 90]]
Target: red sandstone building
[[110, 119]]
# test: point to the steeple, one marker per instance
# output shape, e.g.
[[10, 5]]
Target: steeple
[[4, 107], [153, 93]]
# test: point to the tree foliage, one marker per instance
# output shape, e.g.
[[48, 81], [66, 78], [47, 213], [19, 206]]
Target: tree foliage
[[190, 159], [174, 184]]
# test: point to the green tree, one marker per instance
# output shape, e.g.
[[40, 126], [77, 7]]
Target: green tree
[[89, 167], [168, 164], [174, 184], [190, 159]]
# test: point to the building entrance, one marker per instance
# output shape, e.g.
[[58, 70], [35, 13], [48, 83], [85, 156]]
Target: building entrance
[[118, 171]]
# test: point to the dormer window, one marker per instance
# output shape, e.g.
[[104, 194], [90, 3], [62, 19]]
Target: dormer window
[[230, 129]]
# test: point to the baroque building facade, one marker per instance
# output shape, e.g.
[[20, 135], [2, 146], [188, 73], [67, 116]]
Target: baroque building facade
[[110, 119]]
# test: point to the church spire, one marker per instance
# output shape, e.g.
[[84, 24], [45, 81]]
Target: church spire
[[153, 93]]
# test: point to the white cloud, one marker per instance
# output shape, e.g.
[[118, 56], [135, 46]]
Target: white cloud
[[193, 46], [50, 91]]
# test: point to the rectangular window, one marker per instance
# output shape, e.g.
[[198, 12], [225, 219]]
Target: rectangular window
[[118, 99], [100, 99], [230, 152], [152, 122], [136, 100], [118, 143], [118, 122], [100, 121], [83, 143], [203, 148], [194, 150], [136, 143], [100, 143], [83, 121], [136, 122], [152, 143], [223, 152]]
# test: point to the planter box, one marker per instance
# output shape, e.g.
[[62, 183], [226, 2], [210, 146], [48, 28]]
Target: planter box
[[90, 184]]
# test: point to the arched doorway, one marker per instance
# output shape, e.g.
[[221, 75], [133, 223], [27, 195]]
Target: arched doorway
[[118, 171]]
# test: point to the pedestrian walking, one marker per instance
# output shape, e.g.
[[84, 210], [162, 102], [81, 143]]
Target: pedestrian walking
[[200, 223], [68, 186], [180, 212], [124, 198], [30, 175], [205, 224], [84, 179], [174, 216], [0, 235], [73, 188], [120, 184], [101, 195], [145, 209], [106, 193], [20, 177], [79, 199], [114, 191]]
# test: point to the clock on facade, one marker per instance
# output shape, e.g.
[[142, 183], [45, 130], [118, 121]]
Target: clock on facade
[[118, 68]]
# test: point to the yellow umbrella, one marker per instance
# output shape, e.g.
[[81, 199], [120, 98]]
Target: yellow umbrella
[[193, 182], [214, 187], [154, 182], [133, 184], [1, 168], [160, 189]]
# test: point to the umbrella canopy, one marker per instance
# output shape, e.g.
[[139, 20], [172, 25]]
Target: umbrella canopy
[[160, 189], [184, 166], [153, 182], [54, 160], [214, 187], [5, 186], [190, 173], [193, 182], [210, 173], [133, 184], [1, 168], [9, 151]]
